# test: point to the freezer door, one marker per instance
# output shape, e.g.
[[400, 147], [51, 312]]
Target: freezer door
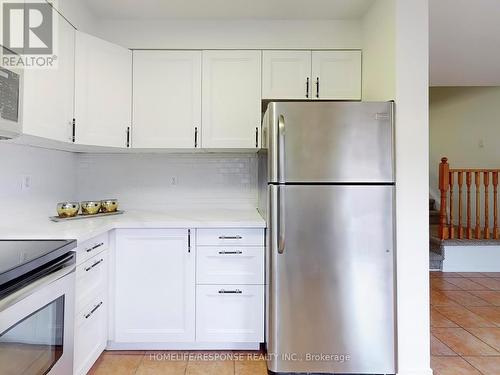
[[331, 279], [329, 141]]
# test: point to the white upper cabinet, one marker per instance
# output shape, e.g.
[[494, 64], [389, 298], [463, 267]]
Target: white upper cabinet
[[154, 281], [103, 94], [336, 75], [167, 99], [316, 75], [231, 109], [286, 75], [49, 93]]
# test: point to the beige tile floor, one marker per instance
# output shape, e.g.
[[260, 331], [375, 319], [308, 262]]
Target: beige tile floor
[[465, 323], [465, 337], [180, 363]]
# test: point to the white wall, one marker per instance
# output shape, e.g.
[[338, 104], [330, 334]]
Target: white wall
[[145, 181], [213, 34], [379, 51], [53, 179], [412, 188]]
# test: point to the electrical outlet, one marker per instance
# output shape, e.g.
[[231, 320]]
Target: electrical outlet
[[174, 181], [26, 183]]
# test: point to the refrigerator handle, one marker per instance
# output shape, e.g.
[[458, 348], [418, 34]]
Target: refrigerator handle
[[281, 148], [281, 219]]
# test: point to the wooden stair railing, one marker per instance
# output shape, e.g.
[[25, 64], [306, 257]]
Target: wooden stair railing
[[451, 225]]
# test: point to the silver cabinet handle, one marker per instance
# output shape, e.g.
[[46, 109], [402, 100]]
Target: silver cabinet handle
[[223, 252], [96, 307], [317, 87], [94, 265], [95, 247], [195, 137], [230, 237], [189, 240], [257, 137], [236, 291], [281, 148], [281, 219], [307, 87]]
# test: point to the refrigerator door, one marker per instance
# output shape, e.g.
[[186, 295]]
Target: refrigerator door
[[331, 279], [329, 142]]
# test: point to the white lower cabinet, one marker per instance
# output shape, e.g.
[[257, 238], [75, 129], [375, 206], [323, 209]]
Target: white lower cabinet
[[230, 313], [236, 265], [91, 334], [154, 281], [183, 289], [91, 303]]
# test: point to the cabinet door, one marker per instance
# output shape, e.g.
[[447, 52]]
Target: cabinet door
[[103, 96], [336, 75], [286, 74], [230, 313], [49, 93], [154, 286], [231, 110], [167, 98], [91, 334]]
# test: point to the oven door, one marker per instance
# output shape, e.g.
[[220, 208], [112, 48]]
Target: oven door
[[36, 326]]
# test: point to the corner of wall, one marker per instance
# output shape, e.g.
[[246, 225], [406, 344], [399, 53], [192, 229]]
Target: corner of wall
[[379, 51]]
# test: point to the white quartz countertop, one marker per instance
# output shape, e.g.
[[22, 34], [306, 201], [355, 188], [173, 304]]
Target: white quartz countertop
[[84, 229]]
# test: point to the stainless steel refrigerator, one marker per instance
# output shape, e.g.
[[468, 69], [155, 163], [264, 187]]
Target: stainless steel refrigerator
[[326, 174]]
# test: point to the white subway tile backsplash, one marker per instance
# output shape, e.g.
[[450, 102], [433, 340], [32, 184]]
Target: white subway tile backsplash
[[145, 181]]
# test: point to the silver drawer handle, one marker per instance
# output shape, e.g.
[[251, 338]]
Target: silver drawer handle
[[223, 252], [236, 291], [95, 247], [93, 310], [93, 265], [230, 237]]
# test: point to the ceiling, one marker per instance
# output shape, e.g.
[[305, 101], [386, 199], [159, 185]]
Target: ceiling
[[234, 9], [465, 42]]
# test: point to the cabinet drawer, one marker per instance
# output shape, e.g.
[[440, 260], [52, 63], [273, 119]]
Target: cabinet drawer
[[91, 279], [90, 248], [90, 334], [230, 265], [230, 236], [230, 313]]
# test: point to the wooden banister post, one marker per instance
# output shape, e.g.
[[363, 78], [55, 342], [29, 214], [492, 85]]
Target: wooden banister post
[[451, 228], [460, 213], [496, 233], [444, 171], [478, 205], [486, 179]]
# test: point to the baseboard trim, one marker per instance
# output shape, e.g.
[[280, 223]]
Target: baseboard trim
[[427, 371], [183, 346]]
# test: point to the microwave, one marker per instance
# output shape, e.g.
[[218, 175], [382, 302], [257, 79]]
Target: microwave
[[11, 90]]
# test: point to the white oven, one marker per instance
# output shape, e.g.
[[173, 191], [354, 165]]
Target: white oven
[[37, 322]]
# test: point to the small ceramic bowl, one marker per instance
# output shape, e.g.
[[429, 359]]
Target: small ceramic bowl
[[90, 207], [68, 209], [109, 205]]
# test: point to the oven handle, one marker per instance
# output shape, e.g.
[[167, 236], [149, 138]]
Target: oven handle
[[36, 285]]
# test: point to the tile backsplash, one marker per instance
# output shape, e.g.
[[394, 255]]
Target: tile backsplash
[[159, 181], [51, 178]]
